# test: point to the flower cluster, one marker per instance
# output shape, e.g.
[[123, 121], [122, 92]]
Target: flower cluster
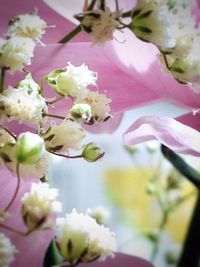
[[81, 239], [24, 31], [26, 154], [38, 205], [173, 30], [100, 24]]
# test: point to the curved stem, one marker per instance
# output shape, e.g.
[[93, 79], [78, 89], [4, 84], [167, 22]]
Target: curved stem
[[160, 229], [50, 102], [53, 116], [2, 79], [16, 190], [66, 156], [70, 35]]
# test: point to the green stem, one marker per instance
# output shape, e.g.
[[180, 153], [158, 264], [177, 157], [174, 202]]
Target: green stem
[[160, 230], [2, 79], [127, 14], [102, 5], [91, 5], [186, 170], [70, 35], [54, 116], [16, 190], [66, 156], [166, 61]]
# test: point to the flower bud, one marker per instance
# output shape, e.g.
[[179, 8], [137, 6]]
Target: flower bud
[[38, 205], [81, 112], [100, 214], [81, 239], [92, 152], [72, 81], [29, 148]]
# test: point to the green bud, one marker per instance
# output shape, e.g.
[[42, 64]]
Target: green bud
[[29, 148], [171, 257], [29, 84], [81, 112], [92, 152], [151, 189]]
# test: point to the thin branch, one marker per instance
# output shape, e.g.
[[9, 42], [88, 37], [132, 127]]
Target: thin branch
[[70, 35], [66, 156], [53, 116], [91, 5], [117, 5], [2, 79], [50, 102], [16, 190]]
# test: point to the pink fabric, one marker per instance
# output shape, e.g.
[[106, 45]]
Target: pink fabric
[[173, 134]]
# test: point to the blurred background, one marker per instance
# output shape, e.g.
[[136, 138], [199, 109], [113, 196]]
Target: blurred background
[[148, 201]]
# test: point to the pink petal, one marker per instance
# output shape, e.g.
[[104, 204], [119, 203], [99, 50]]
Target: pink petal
[[124, 91], [120, 260], [31, 248], [191, 119], [139, 60], [196, 10], [175, 135]]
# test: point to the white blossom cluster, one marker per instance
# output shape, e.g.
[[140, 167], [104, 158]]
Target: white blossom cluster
[[24, 31], [172, 28], [39, 204], [81, 239], [7, 251], [100, 24], [26, 154], [64, 136], [23, 105]]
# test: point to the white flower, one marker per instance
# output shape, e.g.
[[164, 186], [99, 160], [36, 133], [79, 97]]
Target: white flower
[[99, 104], [22, 104], [26, 171], [81, 112], [80, 237], [27, 25], [7, 251], [5, 138], [39, 204], [100, 214], [100, 24], [72, 81], [16, 52], [64, 136]]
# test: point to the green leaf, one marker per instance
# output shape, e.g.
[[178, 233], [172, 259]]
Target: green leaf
[[52, 256]]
